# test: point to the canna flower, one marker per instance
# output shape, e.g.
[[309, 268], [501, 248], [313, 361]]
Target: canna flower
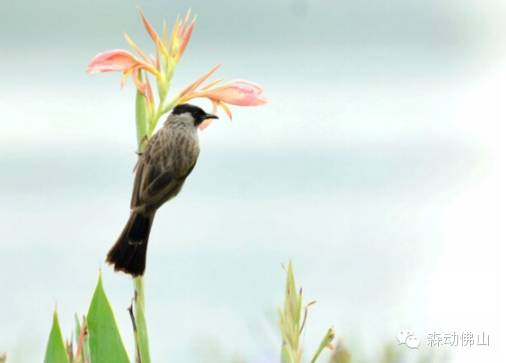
[[123, 61], [168, 53], [181, 35], [160, 68], [113, 60], [238, 93]]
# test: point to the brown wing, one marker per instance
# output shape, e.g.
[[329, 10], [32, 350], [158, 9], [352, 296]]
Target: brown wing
[[160, 171], [146, 170], [158, 179], [162, 186]]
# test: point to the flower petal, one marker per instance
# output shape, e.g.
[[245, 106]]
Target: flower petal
[[181, 34], [136, 48], [193, 86], [151, 31], [212, 84], [139, 84], [186, 34], [113, 60], [226, 109], [239, 93], [149, 92], [164, 32]]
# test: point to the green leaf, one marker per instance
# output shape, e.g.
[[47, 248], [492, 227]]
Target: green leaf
[[56, 351], [105, 341]]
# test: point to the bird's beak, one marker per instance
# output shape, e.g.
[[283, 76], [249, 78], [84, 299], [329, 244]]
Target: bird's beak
[[207, 120]]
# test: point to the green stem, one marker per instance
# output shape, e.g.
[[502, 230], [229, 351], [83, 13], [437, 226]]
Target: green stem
[[326, 341], [141, 121], [154, 120], [141, 332], [142, 113], [146, 119]]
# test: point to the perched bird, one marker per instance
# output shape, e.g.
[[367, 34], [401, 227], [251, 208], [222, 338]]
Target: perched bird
[[161, 170]]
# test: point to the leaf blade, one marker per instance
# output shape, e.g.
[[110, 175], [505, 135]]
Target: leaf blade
[[55, 350], [105, 342]]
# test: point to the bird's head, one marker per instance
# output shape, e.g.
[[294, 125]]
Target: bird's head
[[196, 113]]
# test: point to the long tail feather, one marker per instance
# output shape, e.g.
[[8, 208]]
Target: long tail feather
[[129, 252]]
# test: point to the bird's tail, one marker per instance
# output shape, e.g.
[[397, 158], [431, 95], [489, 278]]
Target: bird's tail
[[129, 252]]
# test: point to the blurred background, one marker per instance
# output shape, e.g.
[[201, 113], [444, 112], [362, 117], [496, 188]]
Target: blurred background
[[374, 168]]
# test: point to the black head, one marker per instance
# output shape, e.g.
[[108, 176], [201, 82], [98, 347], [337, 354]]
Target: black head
[[198, 114]]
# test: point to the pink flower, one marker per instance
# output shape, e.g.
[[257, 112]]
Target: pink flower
[[161, 66], [181, 35], [168, 51], [238, 93], [113, 60], [125, 62]]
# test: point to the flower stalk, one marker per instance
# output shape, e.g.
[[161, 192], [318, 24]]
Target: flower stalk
[[141, 329]]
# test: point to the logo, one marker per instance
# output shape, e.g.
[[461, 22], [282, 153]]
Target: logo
[[436, 340], [408, 338]]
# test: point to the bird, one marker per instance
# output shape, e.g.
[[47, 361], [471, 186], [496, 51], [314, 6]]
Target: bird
[[161, 170]]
